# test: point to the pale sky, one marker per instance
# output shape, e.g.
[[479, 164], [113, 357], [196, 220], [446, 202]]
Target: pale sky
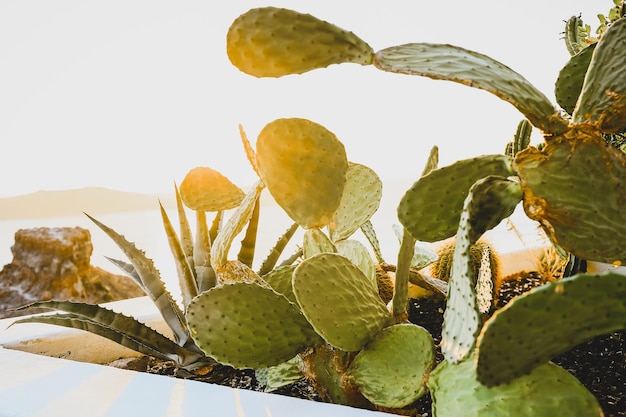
[[130, 95]]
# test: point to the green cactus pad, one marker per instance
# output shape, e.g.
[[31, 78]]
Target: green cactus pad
[[272, 42], [391, 370], [603, 98], [339, 301], [570, 81], [315, 241], [431, 208], [576, 188], [206, 189], [248, 326], [547, 392], [447, 62], [280, 281], [539, 325], [234, 226], [304, 166], [358, 255], [360, 200]]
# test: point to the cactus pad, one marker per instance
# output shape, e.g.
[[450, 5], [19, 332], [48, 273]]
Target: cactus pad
[[603, 98], [358, 255], [551, 319], [576, 188], [391, 370], [339, 301], [431, 208], [547, 392], [315, 241], [248, 326], [206, 189], [447, 62], [280, 281], [360, 200], [304, 166], [272, 42], [570, 81]]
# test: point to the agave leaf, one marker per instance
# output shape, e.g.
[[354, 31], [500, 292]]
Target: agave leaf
[[250, 153], [117, 327], [151, 283], [234, 225], [370, 235], [186, 279], [205, 274], [186, 239], [452, 63], [129, 270], [270, 262], [603, 98], [246, 252], [216, 226]]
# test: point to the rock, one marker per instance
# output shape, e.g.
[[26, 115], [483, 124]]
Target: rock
[[55, 263]]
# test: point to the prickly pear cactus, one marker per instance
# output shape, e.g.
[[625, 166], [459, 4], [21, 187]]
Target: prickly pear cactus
[[391, 370], [272, 42], [206, 189], [315, 241], [339, 301], [602, 102], [247, 325], [360, 200], [547, 321], [521, 140], [576, 188], [430, 210], [547, 392], [304, 167], [489, 200], [280, 281], [358, 254]]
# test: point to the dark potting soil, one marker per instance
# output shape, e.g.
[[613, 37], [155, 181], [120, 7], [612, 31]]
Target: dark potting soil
[[599, 364]]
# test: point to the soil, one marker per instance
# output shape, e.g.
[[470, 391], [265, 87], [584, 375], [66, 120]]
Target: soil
[[599, 364]]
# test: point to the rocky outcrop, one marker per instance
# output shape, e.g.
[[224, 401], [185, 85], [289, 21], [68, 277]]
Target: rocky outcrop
[[54, 263]]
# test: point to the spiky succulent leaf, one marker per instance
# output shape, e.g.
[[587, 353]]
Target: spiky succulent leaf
[[119, 328], [391, 370], [359, 201], [431, 208], [541, 324], [186, 239], [521, 140], [206, 189], [272, 42], [269, 262], [576, 188], [432, 162], [205, 274], [186, 278], [547, 392], [574, 36], [452, 63], [246, 325], [370, 234], [339, 301], [248, 243], [569, 83], [235, 224], [250, 153], [315, 241], [603, 98], [151, 283], [358, 255], [304, 166]]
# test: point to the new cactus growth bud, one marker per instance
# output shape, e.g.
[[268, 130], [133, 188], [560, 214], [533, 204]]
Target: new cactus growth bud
[[272, 42], [521, 140]]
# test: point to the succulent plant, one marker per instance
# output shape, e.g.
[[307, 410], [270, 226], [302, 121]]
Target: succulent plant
[[573, 185]]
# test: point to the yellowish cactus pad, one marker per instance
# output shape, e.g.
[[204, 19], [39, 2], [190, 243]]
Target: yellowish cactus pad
[[304, 166], [206, 189], [272, 42]]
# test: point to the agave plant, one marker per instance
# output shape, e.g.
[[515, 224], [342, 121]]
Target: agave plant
[[572, 185]]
